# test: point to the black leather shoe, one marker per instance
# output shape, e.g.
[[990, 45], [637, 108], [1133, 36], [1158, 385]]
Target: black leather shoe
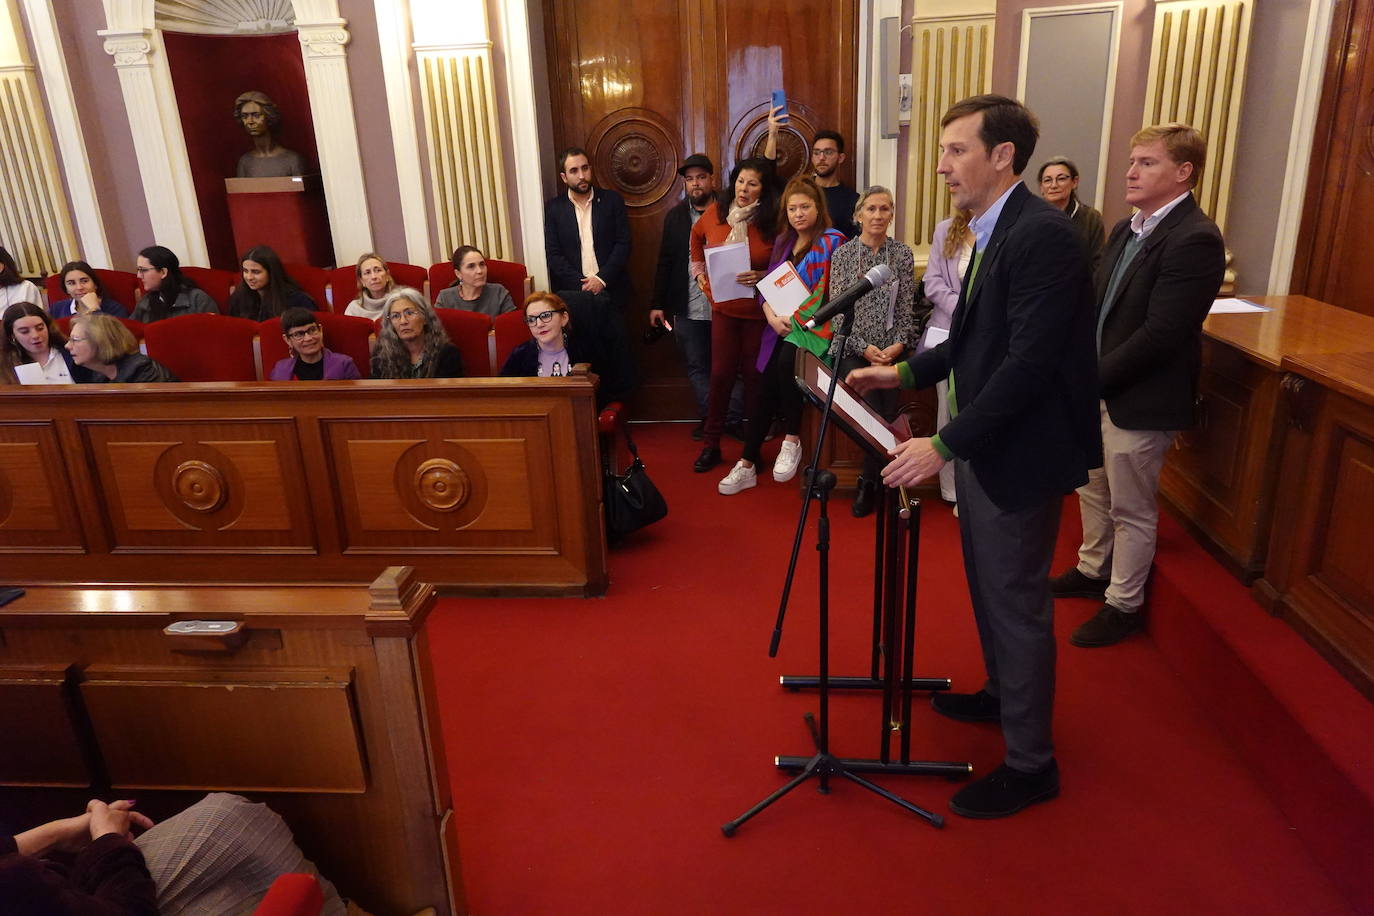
[[709, 458], [698, 431], [1005, 791], [1107, 628], [968, 707], [1073, 584], [863, 499]]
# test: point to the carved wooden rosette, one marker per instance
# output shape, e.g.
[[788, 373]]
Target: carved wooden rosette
[[636, 152], [200, 485], [750, 135], [441, 485]]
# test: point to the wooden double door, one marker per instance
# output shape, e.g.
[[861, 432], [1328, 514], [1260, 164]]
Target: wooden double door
[[641, 86]]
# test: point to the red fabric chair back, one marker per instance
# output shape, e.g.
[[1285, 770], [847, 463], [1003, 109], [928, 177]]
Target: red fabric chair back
[[119, 285], [218, 284], [343, 281], [135, 327], [314, 281], [511, 332], [292, 895], [342, 333], [509, 274], [469, 331], [205, 348]]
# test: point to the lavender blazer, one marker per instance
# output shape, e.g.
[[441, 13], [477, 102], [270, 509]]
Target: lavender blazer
[[336, 366], [942, 282]]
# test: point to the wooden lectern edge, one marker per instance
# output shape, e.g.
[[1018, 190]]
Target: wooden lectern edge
[[398, 588]]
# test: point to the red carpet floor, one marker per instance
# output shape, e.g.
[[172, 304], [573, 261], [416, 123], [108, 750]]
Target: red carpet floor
[[596, 746]]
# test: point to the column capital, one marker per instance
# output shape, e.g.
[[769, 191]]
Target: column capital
[[323, 39], [129, 49]]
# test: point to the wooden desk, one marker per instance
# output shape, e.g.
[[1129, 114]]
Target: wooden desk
[[325, 712], [484, 485], [1223, 475], [1319, 574]]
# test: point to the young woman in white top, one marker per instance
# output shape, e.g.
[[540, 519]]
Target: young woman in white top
[[32, 340], [14, 288]]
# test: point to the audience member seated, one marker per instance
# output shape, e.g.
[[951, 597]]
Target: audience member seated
[[220, 855], [554, 348], [1059, 185], [884, 319], [374, 285], [267, 289], [470, 289], [14, 288], [412, 342], [33, 350], [310, 360], [109, 352], [169, 292], [84, 293]]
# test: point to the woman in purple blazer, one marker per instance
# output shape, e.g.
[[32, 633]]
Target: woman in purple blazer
[[310, 361], [950, 251]]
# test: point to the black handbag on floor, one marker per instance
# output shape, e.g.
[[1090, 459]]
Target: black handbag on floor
[[631, 499]]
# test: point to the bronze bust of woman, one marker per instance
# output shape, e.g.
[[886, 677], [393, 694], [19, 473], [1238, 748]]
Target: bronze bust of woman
[[260, 116]]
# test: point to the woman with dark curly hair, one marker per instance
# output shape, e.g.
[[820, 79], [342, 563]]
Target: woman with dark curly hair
[[413, 342]]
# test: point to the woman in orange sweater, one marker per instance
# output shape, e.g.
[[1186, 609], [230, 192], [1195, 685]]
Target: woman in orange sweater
[[745, 211]]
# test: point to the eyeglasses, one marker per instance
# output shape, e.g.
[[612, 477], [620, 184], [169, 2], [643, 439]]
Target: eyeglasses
[[75, 339], [309, 330], [824, 153], [145, 270], [542, 317], [404, 313], [1056, 179]]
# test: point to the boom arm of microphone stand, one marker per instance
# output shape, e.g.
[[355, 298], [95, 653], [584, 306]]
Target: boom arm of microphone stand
[[841, 341]]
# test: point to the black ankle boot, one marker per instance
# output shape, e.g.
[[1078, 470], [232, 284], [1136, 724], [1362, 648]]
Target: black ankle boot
[[863, 498]]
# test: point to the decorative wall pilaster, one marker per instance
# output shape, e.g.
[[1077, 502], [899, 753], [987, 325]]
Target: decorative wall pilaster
[[34, 221], [323, 42], [394, 38]]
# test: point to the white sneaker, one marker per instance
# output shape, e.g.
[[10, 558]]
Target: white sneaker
[[739, 478], [789, 456]]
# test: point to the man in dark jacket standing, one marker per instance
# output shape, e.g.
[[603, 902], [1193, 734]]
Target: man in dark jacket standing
[[1158, 276]]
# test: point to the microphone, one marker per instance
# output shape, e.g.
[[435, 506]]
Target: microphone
[[868, 282]]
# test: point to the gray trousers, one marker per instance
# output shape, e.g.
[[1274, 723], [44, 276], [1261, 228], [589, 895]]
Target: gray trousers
[[1007, 559]]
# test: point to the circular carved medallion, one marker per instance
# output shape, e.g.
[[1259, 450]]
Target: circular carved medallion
[[199, 485], [635, 151], [441, 484], [636, 163]]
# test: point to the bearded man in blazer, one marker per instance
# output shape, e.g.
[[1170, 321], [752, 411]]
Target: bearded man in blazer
[[1023, 432], [1159, 274]]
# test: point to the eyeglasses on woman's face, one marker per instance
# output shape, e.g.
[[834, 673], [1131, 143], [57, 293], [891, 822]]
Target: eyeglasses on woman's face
[[309, 330], [542, 317], [403, 314]]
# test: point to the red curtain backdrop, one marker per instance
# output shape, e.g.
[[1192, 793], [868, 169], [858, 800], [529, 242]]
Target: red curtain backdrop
[[209, 72]]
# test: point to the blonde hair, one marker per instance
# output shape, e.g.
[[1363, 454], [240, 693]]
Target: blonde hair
[[358, 273], [109, 339], [870, 191], [1181, 141], [958, 232]]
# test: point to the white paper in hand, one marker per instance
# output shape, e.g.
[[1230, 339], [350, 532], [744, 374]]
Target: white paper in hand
[[32, 374], [784, 290], [725, 263]]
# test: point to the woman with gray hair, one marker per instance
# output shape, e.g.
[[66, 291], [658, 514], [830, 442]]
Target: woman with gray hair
[[1058, 179], [884, 319], [413, 342]]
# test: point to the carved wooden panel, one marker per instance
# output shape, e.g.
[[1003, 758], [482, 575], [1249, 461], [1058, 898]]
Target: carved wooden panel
[[259, 729], [642, 86], [40, 745], [34, 511], [1338, 213], [202, 485]]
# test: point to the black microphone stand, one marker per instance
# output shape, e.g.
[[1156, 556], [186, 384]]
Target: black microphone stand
[[823, 764]]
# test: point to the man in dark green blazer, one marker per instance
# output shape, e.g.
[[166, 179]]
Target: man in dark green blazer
[[1023, 432]]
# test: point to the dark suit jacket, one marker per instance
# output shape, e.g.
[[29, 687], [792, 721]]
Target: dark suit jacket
[[610, 240], [1021, 348], [670, 280], [1152, 340]]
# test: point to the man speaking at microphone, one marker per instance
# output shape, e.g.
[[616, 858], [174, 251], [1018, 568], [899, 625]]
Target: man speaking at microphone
[[1023, 432]]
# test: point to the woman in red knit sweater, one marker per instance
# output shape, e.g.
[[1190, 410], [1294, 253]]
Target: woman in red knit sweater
[[745, 211]]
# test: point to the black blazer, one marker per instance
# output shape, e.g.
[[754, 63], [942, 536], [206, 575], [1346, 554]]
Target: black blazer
[[610, 240], [1152, 340], [670, 280], [1021, 348]]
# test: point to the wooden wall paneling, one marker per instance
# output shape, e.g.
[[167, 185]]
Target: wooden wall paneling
[[42, 744], [35, 510], [1338, 213]]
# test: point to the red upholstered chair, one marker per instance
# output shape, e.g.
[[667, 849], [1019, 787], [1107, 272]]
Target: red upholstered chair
[[205, 348], [471, 333], [509, 274], [292, 895], [314, 281], [342, 333], [218, 284], [511, 332], [135, 327], [119, 285]]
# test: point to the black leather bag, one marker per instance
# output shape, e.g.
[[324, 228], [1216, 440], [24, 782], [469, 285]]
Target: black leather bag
[[631, 499]]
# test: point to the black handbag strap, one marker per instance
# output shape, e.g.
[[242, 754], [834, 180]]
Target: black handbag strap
[[625, 428]]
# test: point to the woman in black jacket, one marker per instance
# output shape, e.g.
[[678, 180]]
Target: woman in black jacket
[[109, 353], [553, 349]]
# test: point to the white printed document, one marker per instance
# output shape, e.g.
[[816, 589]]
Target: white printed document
[[32, 374], [723, 264], [935, 336], [784, 290], [856, 411], [1235, 307]]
